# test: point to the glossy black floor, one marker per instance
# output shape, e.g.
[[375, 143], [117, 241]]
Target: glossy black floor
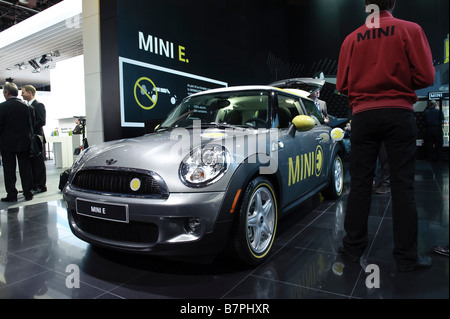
[[39, 256]]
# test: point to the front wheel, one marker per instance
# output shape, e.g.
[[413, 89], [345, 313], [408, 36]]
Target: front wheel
[[336, 186], [254, 229]]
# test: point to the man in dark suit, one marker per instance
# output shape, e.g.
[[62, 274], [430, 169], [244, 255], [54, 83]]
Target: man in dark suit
[[37, 163], [15, 143]]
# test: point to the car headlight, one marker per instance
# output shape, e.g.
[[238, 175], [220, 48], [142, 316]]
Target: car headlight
[[204, 166]]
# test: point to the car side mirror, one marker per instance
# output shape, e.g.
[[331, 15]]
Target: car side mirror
[[303, 123]]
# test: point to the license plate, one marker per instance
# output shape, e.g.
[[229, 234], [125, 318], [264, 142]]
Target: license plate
[[112, 212]]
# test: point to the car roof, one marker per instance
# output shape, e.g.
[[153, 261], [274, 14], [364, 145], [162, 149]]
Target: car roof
[[305, 84], [300, 93]]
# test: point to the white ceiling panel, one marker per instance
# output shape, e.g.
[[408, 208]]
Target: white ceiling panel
[[62, 39]]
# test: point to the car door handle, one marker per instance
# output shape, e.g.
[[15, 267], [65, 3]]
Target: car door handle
[[276, 146]]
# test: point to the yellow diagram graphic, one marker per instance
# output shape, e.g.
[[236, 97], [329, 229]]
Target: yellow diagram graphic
[[141, 86]]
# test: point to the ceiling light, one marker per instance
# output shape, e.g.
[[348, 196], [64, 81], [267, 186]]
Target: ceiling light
[[55, 53], [45, 58], [35, 65], [21, 66]]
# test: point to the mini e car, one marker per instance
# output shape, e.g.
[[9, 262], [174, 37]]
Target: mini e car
[[217, 174]]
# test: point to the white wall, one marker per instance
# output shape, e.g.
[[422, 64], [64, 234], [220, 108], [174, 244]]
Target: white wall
[[67, 98], [67, 89]]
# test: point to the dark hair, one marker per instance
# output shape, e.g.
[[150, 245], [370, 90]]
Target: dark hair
[[382, 4], [433, 104]]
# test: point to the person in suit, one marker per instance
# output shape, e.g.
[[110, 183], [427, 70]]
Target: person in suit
[[37, 163], [432, 119], [15, 141], [321, 105], [78, 128]]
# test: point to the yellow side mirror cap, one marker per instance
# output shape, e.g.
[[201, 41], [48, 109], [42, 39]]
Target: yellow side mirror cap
[[304, 123]]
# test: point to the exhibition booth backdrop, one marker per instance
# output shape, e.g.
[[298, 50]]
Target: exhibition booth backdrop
[[152, 54], [155, 53]]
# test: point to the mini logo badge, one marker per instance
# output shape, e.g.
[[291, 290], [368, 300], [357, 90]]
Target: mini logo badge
[[111, 162], [135, 184]]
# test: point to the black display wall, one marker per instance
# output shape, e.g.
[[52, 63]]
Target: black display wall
[[156, 52], [176, 48], [322, 25]]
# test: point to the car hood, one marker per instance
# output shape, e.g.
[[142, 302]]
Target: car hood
[[161, 153]]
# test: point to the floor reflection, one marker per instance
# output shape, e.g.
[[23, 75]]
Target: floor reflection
[[37, 246]]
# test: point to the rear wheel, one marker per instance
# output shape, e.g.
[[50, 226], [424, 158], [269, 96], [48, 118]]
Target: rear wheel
[[336, 187], [254, 229]]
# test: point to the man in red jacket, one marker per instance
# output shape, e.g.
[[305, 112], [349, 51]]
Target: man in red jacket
[[381, 64]]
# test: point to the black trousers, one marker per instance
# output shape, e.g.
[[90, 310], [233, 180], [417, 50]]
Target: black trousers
[[397, 129], [39, 171], [9, 170], [382, 169]]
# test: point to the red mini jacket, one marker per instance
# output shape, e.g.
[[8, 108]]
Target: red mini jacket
[[382, 67]]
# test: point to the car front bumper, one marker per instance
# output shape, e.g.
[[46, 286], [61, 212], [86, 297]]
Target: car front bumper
[[181, 225]]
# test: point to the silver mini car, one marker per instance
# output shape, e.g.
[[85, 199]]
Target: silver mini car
[[217, 174]]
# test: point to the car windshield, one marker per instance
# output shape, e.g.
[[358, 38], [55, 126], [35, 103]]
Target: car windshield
[[233, 108]]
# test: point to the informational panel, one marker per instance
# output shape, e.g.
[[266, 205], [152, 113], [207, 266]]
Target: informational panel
[[149, 92], [156, 53]]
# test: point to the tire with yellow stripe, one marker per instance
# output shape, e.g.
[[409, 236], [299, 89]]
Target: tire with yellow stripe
[[335, 188], [254, 229]]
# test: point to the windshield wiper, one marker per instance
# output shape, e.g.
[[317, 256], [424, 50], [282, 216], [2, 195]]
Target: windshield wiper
[[223, 125], [220, 126], [164, 128]]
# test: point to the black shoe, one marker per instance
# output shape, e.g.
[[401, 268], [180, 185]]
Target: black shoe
[[422, 262], [375, 186], [28, 197], [41, 189], [9, 199], [383, 190], [441, 250], [344, 252]]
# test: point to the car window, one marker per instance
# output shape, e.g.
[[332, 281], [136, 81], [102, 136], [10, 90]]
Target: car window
[[312, 111], [288, 108], [240, 108]]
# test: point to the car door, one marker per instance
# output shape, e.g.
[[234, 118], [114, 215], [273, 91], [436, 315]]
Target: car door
[[320, 139], [300, 154]]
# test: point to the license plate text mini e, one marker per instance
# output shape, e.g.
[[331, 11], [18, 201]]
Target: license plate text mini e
[[111, 212]]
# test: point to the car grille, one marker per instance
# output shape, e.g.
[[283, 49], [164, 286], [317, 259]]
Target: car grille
[[117, 182], [133, 232]]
